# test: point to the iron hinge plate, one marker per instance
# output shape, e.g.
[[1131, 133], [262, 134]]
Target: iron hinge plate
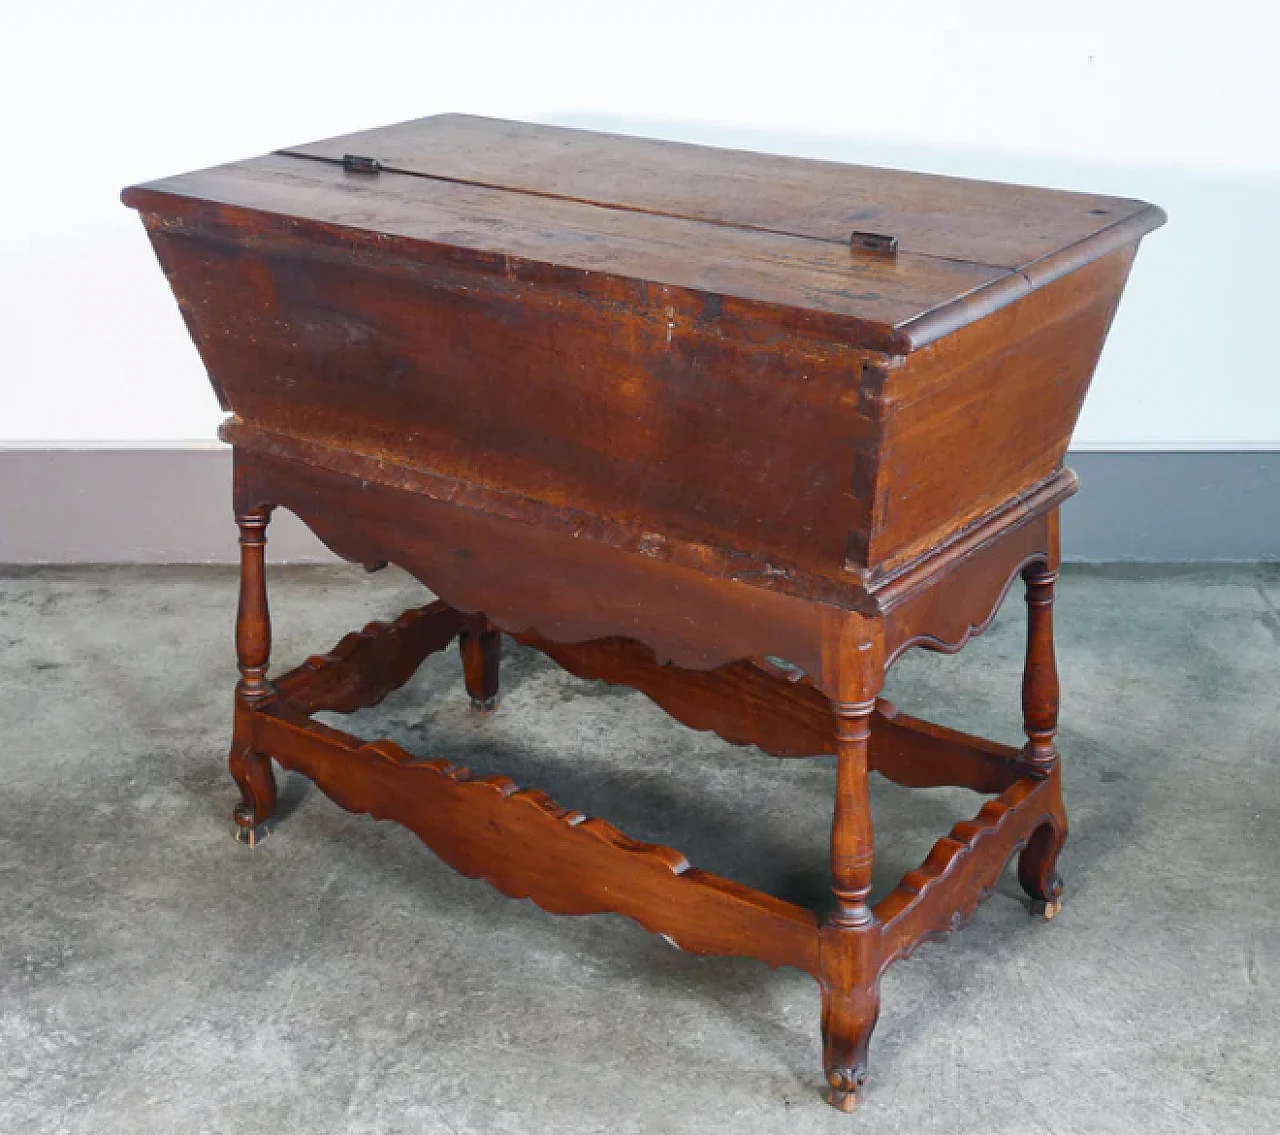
[[356, 163]]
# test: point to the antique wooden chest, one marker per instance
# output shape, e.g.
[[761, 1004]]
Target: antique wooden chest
[[730, 428]]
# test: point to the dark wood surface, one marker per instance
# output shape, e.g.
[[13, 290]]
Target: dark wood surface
[[673, 380], [952, 218], [731, 429]]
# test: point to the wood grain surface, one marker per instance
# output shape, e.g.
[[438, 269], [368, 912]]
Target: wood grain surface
[[731, 429]]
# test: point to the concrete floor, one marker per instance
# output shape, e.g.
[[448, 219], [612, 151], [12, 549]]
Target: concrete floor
[[157, 976]]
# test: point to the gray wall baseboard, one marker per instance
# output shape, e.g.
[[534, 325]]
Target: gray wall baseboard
[[174, 506], [139, 506], [1168, 507]]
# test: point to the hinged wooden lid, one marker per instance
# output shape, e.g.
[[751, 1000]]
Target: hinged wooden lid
[[904, 257]]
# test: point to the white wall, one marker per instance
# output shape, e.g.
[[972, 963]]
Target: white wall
[[1175, 102]]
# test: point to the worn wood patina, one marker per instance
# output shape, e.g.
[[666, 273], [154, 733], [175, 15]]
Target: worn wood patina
[[732, 429]]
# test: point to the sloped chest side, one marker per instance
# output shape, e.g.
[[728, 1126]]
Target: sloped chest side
[[976, 419]]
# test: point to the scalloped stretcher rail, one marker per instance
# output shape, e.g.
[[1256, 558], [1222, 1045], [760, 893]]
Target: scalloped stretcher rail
[[528, 846]]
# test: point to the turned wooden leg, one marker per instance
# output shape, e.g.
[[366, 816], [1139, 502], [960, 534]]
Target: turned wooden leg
[[1040, 672], [852, 837], [850, 938], [481, 658], [1037, 865], [251, 769]]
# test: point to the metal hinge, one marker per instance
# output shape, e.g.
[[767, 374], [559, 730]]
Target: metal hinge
[[354, 163], [874, 242]]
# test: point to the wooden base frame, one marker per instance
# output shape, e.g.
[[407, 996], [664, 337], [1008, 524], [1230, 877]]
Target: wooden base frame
[[528, 846]]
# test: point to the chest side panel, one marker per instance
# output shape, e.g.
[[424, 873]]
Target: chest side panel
[[660, 414], [981, 416]]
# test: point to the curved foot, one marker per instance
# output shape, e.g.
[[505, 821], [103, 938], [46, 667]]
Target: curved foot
[[253, 773], [484, 706], [1038, 869], [848, 1020]]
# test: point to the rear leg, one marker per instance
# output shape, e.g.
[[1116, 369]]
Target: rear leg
[[481, 660]]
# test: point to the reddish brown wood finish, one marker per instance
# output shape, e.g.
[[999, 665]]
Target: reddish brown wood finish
[[1037, 864], [250, 767], [1007, 226], [676, 418], [1040, 674], [527, 846], [765, 399], [481, 659], [564, 871], [368, 665], [1028, 363]]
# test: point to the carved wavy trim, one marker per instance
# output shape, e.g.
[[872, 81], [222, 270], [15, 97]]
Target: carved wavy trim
[[369, 664], [747, 705], [955, 641], [740, 702], [963, 867], [527, 846]]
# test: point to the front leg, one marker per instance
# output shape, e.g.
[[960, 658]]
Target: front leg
[[1037, 865], [251, 769], [850, 939]]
